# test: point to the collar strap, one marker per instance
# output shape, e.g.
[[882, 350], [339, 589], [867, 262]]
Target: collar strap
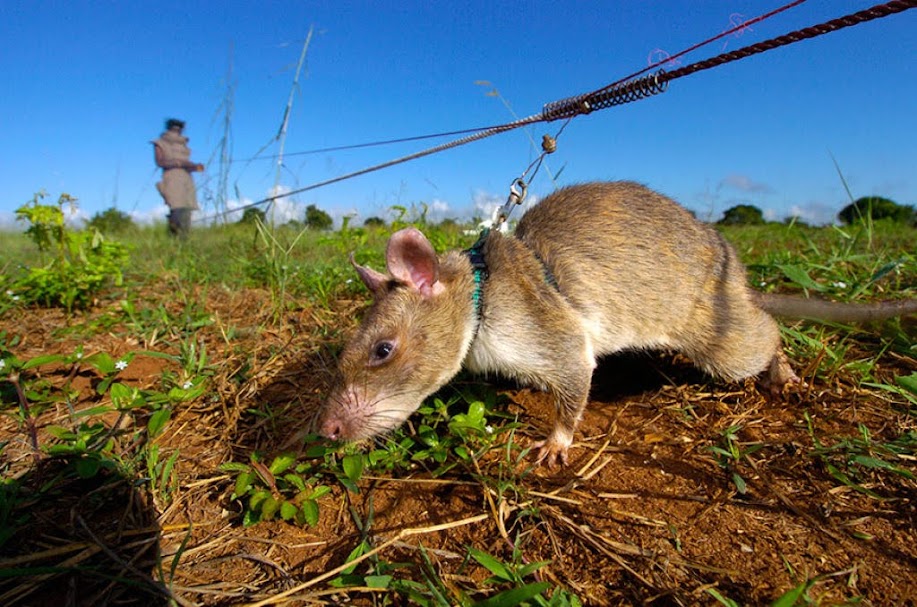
[[475, 255]]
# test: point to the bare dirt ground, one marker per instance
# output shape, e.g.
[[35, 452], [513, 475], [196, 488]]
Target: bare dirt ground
[[644, 514]]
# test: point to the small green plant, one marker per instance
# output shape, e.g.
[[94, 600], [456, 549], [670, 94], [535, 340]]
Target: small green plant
[[282, 489], [511, 581], [89, 444], [851, 460], [152, 324], [272, 263], [730, 453], [77, 265], [451, 433]]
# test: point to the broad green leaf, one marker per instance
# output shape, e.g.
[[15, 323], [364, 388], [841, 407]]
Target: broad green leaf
[[119, 392], [799, 275], [60, 432], [243, 483], [320, 491], [87, 467], [157, 421], [791, 597], [353, 466], [102, 362], [908, 382], [739, 483], [515, 596], [101, 409], [43, 360], [356, 553], [723, 600], [282, 463], [491, 564], [377, 581], [257, 498], [310, 512], [288, 511], [296, 481], [269, 507]]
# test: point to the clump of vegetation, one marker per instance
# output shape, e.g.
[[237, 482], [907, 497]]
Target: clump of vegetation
[[252, 215], [317, 219], [111, 221], [742, 215], [74, 265], [875, 208]]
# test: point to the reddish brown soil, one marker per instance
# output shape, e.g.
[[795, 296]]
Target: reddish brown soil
[[642, 515]]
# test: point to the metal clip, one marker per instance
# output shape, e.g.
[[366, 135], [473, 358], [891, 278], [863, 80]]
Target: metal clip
[[517, 193]]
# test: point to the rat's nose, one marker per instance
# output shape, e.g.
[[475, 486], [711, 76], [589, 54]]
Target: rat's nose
[[331, 428]]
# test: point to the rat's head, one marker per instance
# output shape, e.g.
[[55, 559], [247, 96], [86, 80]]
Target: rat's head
[[410, 343]]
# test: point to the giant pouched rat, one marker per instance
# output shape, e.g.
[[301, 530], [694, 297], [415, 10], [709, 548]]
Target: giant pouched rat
[[592, 269]]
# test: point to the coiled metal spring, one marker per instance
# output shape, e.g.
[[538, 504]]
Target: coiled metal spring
[[632, 90]]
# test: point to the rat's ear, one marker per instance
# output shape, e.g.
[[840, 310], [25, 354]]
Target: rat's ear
[[411, 259], [374, 281]]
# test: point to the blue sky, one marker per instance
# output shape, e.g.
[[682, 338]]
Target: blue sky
[[87, 85]]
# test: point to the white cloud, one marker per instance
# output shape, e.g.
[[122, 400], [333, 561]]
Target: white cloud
[[485, 203], [814, 212], [744, 183], [280, 211], [439, 208], [156, 214], [284, 208]]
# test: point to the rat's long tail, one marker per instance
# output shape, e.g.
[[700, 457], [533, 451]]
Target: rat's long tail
[[793, 306]]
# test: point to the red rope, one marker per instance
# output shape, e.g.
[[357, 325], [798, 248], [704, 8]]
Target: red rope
[[733, 30]]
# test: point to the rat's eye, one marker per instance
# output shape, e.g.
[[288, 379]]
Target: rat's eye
[[381, 352]]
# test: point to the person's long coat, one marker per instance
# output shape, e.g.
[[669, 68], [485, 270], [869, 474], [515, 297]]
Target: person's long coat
[[174, 157]]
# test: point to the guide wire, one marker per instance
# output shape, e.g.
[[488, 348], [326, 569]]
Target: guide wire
[[519, 188], [627, 89]]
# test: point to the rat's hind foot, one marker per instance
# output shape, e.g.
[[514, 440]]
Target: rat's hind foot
[[779, 375]]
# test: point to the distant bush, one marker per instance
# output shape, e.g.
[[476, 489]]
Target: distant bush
[[252, 215], [111, 221], [374, 222], [877, 207], [317, 219], [743, 214]]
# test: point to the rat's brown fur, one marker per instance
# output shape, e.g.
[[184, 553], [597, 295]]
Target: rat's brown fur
[[631, 269]]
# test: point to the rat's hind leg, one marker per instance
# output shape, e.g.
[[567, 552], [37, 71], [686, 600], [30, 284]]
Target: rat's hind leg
[[746, 343]]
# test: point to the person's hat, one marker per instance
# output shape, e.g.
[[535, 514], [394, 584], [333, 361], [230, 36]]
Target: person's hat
[[174, 122]]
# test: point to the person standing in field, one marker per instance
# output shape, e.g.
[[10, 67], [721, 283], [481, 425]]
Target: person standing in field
[[173, 156]]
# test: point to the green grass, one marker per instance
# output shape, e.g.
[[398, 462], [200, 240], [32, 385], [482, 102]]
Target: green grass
[[457, 430]]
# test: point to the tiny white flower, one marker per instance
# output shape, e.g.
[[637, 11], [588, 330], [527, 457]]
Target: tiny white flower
[[79, 355], [489, 429], [763, 283], [9, 292], [2, 364], [121, 365], [840, 284], [187, 385]]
